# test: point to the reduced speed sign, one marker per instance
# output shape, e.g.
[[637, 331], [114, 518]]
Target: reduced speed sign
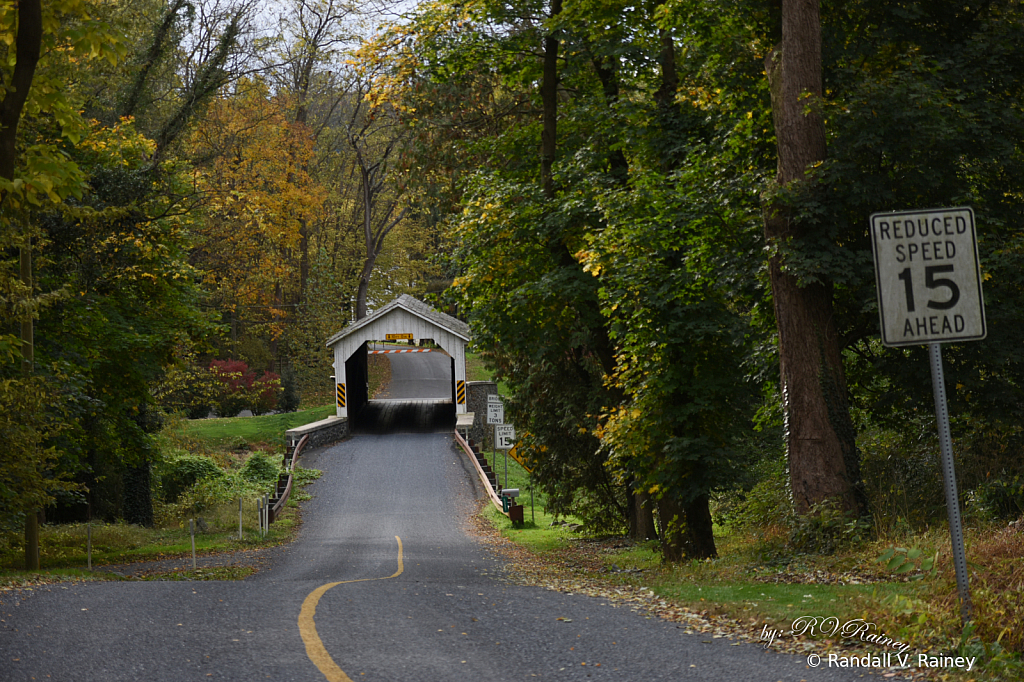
[[928, 276]]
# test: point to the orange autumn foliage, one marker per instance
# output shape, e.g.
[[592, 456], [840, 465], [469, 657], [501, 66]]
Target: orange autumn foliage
[[252, 168]]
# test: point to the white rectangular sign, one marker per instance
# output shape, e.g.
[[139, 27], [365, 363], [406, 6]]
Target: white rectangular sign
[[928, 276], [504, 436], [495, 412]]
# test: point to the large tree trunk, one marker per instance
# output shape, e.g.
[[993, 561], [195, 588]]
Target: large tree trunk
[[686, 531], [27, 47], [665, 95], [618, 165], [641, 515], [364, 286], [670, 519], [823, 460], [693, 536], [699, 537]]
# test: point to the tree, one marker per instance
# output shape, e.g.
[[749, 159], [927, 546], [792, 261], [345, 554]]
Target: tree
[[209, 58], [259, 195], [309, 56], [121, 261], [927, 119], [28, 41], [34, 175], [823, 457], [28, 460], [375, 135], [549, 103], [107, 216], [535, 312]]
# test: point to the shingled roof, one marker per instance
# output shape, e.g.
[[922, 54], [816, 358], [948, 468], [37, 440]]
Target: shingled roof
[[413, 306]]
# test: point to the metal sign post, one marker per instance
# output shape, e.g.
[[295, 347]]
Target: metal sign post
[[495, 416], [929, 292], [956, 529]]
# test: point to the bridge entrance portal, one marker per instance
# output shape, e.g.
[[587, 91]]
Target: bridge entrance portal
[[407, 319]]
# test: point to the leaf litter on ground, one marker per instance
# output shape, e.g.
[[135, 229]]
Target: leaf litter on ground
[[576, 568]]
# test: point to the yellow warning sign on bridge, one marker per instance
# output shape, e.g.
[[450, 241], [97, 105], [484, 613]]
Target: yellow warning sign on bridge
[[398, 337]]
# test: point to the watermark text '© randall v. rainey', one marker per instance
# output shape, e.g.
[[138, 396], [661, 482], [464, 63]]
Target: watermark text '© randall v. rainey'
[[890, 660]]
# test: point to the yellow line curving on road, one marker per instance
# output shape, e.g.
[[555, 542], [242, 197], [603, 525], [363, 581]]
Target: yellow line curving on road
[[307, 625]]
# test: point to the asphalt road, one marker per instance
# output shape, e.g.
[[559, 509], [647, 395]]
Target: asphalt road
[[420, 376], [402, 593], [418, 399]]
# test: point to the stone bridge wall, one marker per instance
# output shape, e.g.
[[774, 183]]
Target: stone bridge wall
[[476, 402], [321, 433]]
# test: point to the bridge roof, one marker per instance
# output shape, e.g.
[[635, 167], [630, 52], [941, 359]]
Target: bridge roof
[[412, 306]]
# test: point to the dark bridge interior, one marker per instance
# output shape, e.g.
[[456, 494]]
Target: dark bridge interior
[[418, 399]]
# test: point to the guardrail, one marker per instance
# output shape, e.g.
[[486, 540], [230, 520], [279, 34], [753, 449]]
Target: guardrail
[[473, 457], [284, 481]]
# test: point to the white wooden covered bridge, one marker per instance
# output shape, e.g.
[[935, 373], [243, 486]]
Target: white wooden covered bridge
[[403, 318]]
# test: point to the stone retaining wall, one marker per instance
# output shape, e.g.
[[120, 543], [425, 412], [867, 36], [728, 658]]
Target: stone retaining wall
[[321, 433]]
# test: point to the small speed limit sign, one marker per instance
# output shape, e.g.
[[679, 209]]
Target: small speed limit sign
[[928, 276], [505, 436]]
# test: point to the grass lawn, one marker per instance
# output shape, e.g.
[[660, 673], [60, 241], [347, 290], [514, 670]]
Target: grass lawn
[[476, 370], [231, 432], [537, 531]]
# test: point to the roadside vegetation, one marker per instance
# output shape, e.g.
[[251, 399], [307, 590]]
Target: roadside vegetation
[[775, 565], [770, 574], [202, 471], [210, 472], [232, 433], [476, 370]]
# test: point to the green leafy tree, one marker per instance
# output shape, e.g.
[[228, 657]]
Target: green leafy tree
[[530, 222], [30, 474], [121, 260], [33, 171]]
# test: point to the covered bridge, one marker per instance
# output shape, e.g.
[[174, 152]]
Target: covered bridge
[[404, 318]]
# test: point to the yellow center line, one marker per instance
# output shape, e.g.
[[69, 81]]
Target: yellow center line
[[307, 625]]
